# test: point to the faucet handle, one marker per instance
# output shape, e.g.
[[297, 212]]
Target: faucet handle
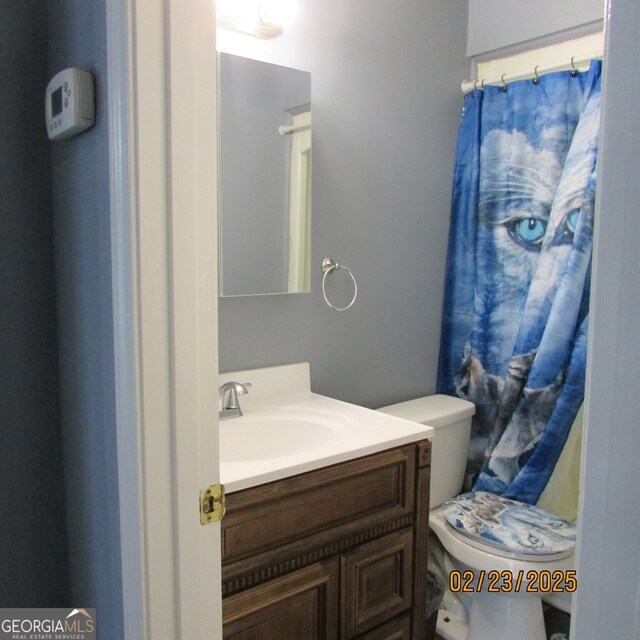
[[242, 388], [236, 389], [239, 388]]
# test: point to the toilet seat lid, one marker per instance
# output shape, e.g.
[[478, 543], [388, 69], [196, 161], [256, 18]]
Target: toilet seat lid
[[507, 524]]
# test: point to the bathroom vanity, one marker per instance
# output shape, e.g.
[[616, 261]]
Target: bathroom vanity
[[328, 541], [340, 552]]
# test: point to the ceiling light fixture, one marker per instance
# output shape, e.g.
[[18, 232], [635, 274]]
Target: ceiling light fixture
[[259, 18]]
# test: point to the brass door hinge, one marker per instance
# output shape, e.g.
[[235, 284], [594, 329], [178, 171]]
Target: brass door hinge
[[212, 504]]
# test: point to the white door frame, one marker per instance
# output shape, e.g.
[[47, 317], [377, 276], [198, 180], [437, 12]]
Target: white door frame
[[161, 78], [162, 130], [607, 603], [299, 276]]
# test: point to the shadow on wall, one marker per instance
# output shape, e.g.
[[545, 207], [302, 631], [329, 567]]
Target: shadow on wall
[[32, 527]]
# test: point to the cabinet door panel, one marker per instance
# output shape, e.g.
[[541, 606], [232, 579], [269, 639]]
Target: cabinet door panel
[[302, 604], [377, 582]]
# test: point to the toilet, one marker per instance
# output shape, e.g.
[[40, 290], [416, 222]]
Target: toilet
[[483, 533]]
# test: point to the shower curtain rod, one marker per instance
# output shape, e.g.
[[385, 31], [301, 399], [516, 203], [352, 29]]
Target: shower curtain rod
[[468, 86], [288, 129]]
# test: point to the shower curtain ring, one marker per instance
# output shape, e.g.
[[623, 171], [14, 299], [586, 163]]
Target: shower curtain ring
[[536, 80], [504, 84], [574, 72]]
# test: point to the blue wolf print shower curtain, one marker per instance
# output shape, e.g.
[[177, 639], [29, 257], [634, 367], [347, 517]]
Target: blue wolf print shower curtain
[[515, 316]]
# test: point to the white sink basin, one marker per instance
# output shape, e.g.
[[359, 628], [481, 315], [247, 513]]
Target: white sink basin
[[287, 429], [260, 435]]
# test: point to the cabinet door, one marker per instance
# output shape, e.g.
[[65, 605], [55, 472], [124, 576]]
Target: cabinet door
[[398, 629], [302, 604], [377, 582]]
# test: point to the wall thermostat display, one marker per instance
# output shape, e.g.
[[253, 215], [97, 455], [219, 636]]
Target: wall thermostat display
[[69, 103]]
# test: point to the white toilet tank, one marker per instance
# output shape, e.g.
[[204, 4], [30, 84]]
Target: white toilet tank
[[451, 419]]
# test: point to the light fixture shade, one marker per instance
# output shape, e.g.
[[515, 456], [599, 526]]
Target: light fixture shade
[[280, 12], [259, 18]]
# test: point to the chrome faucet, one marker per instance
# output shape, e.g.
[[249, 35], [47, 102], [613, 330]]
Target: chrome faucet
[[228, 403]]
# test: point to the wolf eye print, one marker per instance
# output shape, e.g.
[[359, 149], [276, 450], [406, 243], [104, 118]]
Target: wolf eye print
[[567, 230], [572, 219], [528, 232]]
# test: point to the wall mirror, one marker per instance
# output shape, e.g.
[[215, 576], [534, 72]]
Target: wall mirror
[[264, 177]]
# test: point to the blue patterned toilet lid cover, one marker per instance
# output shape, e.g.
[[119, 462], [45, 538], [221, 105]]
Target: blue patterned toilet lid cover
[[509, 524]]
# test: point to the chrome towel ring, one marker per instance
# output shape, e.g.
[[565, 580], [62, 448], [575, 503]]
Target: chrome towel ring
[[328, 266]]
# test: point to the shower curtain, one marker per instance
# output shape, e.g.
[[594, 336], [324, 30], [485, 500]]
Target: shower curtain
[[515, 317]]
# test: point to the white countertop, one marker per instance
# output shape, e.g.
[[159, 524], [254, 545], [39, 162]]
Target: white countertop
[[349, 431]]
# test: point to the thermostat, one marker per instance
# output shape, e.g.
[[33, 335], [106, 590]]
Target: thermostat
[[69, 103]]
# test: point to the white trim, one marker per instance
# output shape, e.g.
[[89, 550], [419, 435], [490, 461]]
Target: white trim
[[193, 259], [468, 86], [151, 265], [299, 278], [164, 247], [536, 44], [118, 20]]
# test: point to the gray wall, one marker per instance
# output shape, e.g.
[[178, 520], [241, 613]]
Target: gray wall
[[608, 561], [80, 171], [33, 554], [494, 24], [386, 107]]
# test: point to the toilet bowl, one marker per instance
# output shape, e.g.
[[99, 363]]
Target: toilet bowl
[[497, 578], [502, 606]]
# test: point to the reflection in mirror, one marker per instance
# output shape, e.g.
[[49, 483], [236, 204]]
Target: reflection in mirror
[[264, 177]]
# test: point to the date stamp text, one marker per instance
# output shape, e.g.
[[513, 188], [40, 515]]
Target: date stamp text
[[513, 581]]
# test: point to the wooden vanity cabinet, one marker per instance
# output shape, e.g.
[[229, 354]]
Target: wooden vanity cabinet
[[335, 553]]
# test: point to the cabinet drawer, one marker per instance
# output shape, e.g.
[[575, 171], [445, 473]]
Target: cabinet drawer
[[328, 504], [377, 582], [303, 604]]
